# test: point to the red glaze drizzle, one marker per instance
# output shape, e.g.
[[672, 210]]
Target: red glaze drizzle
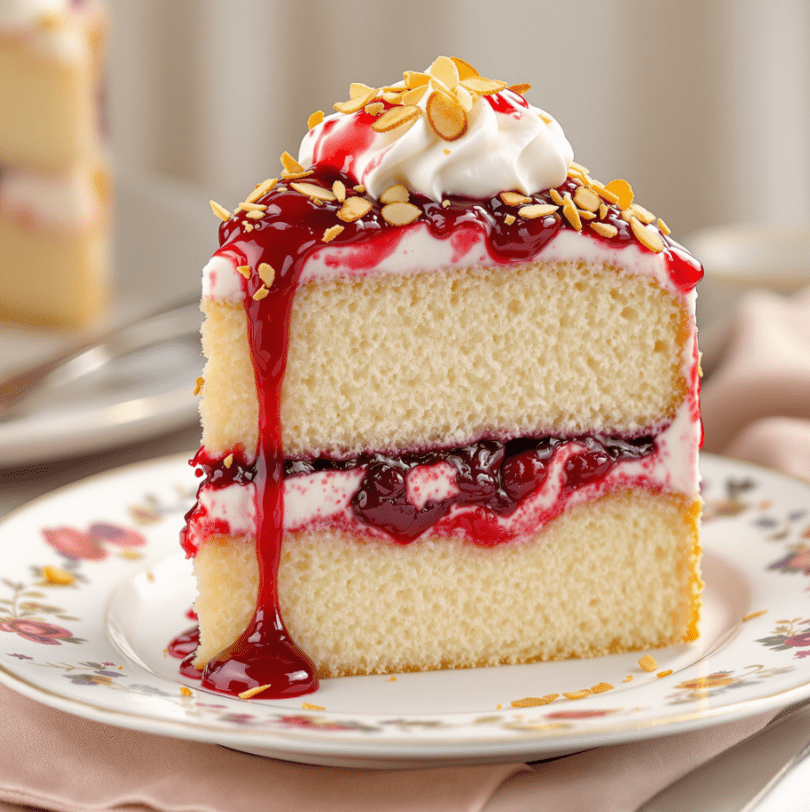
[[291, 229]]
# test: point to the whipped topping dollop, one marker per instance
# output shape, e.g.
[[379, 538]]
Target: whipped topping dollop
[[460, 134]]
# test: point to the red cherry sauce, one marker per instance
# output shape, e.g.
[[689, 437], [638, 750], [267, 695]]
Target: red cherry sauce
[[290, 230]]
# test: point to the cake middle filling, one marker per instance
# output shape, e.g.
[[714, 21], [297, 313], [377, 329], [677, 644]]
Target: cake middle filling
[[453, 491]]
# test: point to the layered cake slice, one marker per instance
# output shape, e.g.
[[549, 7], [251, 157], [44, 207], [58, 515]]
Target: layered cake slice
[[450, 405], [54, 181]]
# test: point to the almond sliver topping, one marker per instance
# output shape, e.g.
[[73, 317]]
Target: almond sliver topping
[[415, 79], [605, 229], [266, 273], [586, 199], [514, 198], [312, 190], [261, 190], [358, 89], [331, 233], [536, 210], [396, 117], [415, 95], [647, 236], [339, 190], [445, 70], [290, 164], [355, 104], [395, 194], [353, 209], [482, 86], [220, 211], [400, 213], [315, 119], [522, 89], [446, 116], [465, 69]]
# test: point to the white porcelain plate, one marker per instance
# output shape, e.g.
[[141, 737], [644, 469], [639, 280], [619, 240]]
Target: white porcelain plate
[[93, 588]]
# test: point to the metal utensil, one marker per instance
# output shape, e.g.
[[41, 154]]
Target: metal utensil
[[179, 319], [767, 789]]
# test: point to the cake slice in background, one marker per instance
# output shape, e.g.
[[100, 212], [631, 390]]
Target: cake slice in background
[[450, 405], [54, 179]]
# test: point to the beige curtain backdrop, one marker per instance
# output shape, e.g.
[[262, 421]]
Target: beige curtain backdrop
[[704, 105]]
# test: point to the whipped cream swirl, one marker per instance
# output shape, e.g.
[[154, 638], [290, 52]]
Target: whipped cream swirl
[[508, 145]]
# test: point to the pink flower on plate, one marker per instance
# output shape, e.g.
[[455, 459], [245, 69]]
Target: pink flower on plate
[[119, 536], [798, 640], [74, 543], [36, 631]]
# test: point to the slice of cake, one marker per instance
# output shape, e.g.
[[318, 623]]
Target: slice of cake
[[450, 405], [54, 183]]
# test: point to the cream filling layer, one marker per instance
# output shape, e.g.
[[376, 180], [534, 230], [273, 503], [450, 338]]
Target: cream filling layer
[[312, 501], [65, 201], [419, 251]]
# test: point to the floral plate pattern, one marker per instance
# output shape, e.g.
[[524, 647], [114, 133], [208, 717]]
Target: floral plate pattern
[[93, 587]]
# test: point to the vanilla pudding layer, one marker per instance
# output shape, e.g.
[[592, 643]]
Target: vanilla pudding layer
[[361, 605], [397, 361]]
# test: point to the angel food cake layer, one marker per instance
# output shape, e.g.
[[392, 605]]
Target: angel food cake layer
[[450, 405], [54, 181]]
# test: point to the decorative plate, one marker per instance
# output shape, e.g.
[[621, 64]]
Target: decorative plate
[[93, 588]]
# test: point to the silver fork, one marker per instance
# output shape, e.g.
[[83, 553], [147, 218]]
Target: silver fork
[[176, 320]]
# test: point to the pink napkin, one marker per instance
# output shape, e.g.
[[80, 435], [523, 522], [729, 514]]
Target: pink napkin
[[756, 406]]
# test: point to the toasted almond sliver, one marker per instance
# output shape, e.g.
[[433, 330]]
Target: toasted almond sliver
[[394, 97], [514, 198], [444, 70], [662, 674], [396, 117], [228, 461], [247, 226], [360, 189], [247, 206], [536, 210], [577, 694], [260, 293], [605, 229], [545, 118], [604, 192], [339, 190], [395, 194], [446, 116], [400, 213], [244, 270], [664, 227], [556, 197], [220, 211], [446, 204], [465, 69], [198, 385], [580, 167], [315, 119], [645, 215], [310, 706], [253, 691], [647, 236], [266, 273], [586, 199], [415, 95], [290, 164], [314, 191], [648, 663], [572, 215], [374, 108], [601, 687], [355, 104], [353, 209], [255, 215], [522, 89], [331, 233], [261, 190], [358, 89], [482, 86], [509, 219], [465, 98], [415, 79], [603, 210], [533, 701], [623, 191]]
